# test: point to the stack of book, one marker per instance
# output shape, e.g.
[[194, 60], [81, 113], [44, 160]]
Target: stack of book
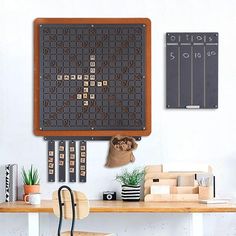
[[11, 182]]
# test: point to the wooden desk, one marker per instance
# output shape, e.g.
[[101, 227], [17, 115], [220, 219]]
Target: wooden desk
[[125, 207], [196, 210]]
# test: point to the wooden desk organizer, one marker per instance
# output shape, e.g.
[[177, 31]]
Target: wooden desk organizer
[[188, 191]]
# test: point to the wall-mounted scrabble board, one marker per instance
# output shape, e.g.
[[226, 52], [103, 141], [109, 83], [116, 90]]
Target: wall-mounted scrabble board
[[92, 77], [192, 70]]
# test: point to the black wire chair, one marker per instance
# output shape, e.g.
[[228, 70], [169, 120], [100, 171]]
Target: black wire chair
[[61, 204]]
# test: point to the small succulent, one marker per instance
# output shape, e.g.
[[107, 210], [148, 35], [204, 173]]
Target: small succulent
[[133, 177], [31, 176]]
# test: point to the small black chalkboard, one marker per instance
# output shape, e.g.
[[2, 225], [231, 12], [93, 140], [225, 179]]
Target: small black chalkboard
[[192, 70]]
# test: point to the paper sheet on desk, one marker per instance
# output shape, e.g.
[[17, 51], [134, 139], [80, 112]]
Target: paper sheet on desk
[[215, 201]]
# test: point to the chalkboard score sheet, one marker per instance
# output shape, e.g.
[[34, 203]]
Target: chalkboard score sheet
[[92, 77], [192, 70]]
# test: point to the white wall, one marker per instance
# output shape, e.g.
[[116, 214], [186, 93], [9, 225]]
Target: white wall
[[201, 136]]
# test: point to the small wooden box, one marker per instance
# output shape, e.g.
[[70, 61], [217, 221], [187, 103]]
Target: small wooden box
[[170, 197], [184, 190], [154, 168], [206, 193], [184, 185]]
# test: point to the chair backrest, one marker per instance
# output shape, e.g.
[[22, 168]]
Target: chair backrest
[[81, 204]]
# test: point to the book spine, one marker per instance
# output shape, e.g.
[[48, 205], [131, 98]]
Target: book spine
[[7, 187], [13, 182]]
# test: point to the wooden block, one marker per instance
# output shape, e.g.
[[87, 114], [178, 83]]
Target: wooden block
[[66, 77], [160, 189], [147, 191], [210, 169], [92, 70], [92, 96], [92, 77], [154, 168], [51, 153], [79, 96], [86, 77], [206, 193], [185, 167], [79, 77], [73, 77], [186, 180], [92, 63], [171, 182], [149, 182], [59, 77], [184, 190], [167, 175], [92, 57], [170, 197]]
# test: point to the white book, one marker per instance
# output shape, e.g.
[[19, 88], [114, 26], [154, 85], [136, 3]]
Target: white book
[[11, 182], [7, 183]]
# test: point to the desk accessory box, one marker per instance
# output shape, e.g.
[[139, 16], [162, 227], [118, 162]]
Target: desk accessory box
[[183, 185]]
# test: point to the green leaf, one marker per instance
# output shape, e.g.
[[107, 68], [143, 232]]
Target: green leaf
[[134, 177], [31, 176]]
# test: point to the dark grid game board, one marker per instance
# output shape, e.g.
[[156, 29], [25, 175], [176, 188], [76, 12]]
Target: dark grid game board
[[92, 77]]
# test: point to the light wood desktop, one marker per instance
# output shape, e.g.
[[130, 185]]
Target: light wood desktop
[[194, 208], [126, 207]]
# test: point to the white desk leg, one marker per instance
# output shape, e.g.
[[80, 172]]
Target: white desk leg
[[196, 224], [33, 224]]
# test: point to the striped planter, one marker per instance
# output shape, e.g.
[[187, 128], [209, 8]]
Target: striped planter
[[130, 193]]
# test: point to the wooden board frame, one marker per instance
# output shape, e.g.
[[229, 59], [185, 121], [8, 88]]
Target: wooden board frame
[[95, 133]]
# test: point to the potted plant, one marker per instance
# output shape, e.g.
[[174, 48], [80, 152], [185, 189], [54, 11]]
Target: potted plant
[[31, 180], [130, 181]]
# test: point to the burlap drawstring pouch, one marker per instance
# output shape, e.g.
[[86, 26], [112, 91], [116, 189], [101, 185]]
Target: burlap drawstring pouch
[[121, 151]]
